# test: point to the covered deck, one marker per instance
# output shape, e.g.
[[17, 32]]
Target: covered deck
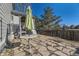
[[19, 17]]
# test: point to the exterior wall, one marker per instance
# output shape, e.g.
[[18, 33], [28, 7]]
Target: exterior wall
[[5, 18]]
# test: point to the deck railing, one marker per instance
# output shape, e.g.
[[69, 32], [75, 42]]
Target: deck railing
[[69, 34]]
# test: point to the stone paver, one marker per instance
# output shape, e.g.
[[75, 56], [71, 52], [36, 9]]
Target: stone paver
[[36, 55], [67, 51], [53, 55], [40, 46], [50, 48], [24, 41], [59, 48], [43, 51], [60, 53]]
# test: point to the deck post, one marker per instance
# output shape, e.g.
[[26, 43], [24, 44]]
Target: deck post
[[11, 27]]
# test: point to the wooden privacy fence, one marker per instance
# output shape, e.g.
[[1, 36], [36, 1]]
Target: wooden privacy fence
[[69, 34]]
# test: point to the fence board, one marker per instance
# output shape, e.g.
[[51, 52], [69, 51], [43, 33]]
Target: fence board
[[69, 34]]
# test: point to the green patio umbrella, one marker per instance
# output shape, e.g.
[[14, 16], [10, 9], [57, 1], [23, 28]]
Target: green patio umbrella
[[29, 20], [29, 24]]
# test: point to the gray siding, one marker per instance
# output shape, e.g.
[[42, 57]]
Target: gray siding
[[5, 16]]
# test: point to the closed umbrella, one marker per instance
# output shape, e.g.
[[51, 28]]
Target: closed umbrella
[[29, 24]]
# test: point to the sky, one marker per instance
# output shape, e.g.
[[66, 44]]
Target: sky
[[69, 12]]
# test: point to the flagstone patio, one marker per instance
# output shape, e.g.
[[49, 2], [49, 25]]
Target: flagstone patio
[[40, 46]]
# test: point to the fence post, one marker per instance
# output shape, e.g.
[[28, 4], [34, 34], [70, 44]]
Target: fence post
[[73, 35]]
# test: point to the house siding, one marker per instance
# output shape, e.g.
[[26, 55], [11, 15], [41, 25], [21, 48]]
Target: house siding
[[5, 18]]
